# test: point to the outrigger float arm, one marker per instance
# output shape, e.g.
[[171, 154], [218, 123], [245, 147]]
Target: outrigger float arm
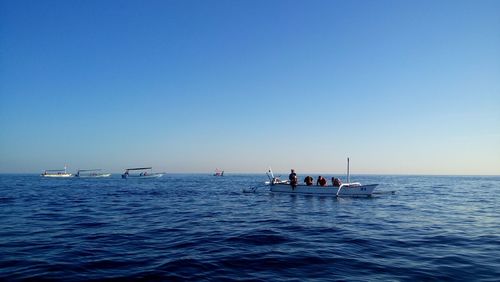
[[270, 175]]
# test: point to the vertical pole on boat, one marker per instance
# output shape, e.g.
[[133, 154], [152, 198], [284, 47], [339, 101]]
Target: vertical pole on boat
[[348, 176]]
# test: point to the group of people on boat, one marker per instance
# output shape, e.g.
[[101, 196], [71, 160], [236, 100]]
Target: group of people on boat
[[308, 180]]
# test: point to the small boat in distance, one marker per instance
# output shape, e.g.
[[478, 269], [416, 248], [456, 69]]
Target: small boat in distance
[[91, 173], [146, 172], [56, 173], [349, 189], [218, 172]]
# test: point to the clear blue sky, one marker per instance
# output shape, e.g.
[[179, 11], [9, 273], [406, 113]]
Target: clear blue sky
[[188, 86]]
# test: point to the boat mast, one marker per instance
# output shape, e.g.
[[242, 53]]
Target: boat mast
[[348, 180]]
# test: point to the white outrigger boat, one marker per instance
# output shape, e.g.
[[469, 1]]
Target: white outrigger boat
[[349, 189], [147, 173], [56, 173], [91, 173]]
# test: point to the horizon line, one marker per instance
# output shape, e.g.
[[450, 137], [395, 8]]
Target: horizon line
[[257, 173]]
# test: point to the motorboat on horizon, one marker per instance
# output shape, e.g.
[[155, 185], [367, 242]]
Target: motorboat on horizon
[[147, 172], [60, 173], [219, 172]]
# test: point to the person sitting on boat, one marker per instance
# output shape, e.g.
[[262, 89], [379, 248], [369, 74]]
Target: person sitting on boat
[[321, 181], [308, 180], [336, 182], [293, 178], [276, 180]]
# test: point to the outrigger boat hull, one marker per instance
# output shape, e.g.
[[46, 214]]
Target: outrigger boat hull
[[57, 175], [91, 173], [350, 190], [94, 176]]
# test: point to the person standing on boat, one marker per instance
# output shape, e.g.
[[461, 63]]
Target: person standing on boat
[[293, 178], [308, 180]]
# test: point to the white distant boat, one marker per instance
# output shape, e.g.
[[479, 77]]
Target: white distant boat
[[145, 172], [91, 173], [218, 172], [56, 173], [349, 189]]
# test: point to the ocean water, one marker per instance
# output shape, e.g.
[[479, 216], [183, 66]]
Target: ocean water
[[200, 227]]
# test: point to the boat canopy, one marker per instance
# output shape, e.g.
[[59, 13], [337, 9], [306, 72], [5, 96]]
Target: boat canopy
[[139, 168], [55, 170], [83, 170]]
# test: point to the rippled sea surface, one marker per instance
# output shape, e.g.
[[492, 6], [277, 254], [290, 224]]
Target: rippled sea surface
[[201, 227]]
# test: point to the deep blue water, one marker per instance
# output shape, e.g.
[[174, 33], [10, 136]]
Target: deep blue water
[[200, 227]]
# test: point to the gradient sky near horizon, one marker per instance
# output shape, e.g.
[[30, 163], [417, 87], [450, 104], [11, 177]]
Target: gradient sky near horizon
[[400, 87]]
